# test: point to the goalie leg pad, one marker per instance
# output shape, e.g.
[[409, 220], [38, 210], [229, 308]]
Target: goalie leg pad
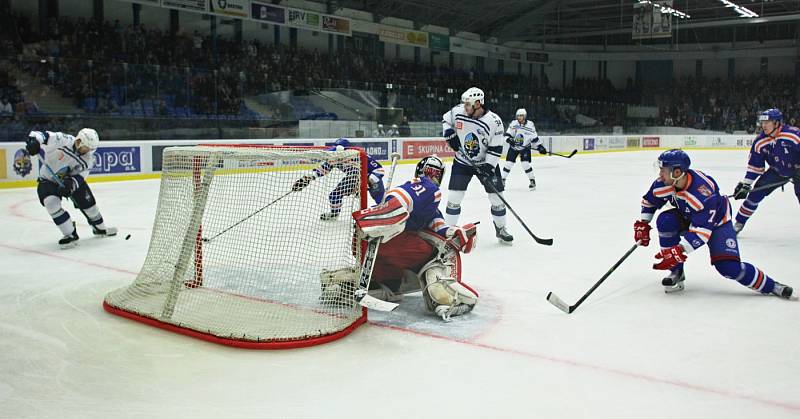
[[338, 287], [443, 293]]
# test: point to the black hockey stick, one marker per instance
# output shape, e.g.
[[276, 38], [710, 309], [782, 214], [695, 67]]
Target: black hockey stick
[[561, 155], [206, 240], [546, 242], [554, 300]]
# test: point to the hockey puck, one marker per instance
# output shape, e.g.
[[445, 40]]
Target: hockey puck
[[127, 237]]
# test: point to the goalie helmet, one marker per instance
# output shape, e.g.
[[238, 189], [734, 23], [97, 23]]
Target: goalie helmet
[[431, 167], [89, 138], [473, 95]]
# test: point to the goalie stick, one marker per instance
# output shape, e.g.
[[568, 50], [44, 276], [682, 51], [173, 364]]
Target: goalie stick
[[546, 242], [554, 300], [561, 155], [362, 293]]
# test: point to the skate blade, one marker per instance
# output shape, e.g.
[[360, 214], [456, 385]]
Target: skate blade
[[68, 245], [507, 243], [673, 289]]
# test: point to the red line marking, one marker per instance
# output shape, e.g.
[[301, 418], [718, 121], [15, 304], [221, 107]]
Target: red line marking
[[794, 407]]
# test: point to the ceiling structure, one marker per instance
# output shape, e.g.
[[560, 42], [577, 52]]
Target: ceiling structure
[[588, 21]]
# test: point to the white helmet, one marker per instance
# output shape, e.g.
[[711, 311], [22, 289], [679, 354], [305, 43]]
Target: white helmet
[[522, 111], [472, 95], [89, 138]]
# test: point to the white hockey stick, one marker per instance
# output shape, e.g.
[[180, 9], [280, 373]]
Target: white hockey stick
[[362, 293]]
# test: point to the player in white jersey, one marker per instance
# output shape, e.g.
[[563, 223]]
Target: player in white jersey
[[521, 136], [66, 162], [477, 136]]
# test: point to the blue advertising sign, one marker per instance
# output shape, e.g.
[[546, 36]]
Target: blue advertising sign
[[588, 143], [117, 160]]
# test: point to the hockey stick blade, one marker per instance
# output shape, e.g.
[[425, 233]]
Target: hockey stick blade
[[554, 300], [575, 151], [373, 303]]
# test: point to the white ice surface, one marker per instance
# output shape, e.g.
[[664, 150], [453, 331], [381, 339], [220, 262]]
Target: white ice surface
[[716, 350]]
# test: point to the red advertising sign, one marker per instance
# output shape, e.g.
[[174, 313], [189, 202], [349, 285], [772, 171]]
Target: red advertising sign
[[418, 149], [651, 141]]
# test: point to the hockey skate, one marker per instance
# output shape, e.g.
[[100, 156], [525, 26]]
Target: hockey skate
[[674, 281], [783, 291], [532, 185], [503, 235], [108, 232], [329, 216], [70, 240], [737, 227]]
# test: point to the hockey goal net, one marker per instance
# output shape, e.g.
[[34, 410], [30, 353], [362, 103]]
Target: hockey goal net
[[236, 255]]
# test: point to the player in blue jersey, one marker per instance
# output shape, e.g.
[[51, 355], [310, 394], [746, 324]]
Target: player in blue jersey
[[779, 145], [349, 184], [418, 251], [701, 215]]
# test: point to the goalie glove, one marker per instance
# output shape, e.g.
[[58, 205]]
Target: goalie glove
[[452, 139], [301, 183], [741, 191], [464, 238], [382, 221]]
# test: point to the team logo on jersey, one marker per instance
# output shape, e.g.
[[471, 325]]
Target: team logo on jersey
[[518, 140], [703, 190], [471, 145], [731, 243]]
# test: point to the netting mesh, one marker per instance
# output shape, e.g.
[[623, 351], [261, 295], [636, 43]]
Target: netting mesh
[[237, 254]]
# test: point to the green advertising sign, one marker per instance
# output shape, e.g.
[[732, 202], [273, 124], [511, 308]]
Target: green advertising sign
[[439, 42]]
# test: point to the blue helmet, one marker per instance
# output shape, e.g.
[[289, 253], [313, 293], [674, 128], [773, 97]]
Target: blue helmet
[[771, 115], [675, 158], [344, 142]]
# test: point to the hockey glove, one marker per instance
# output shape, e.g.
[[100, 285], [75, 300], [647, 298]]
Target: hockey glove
[[32, 145], [641, 233], [464, 238], [301, 183], [68, 186], [484, 171], [670, 258], [541, 149], [741, 191], [452, 139]]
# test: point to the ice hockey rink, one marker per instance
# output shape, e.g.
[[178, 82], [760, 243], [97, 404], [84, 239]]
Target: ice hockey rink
[[716, 350]]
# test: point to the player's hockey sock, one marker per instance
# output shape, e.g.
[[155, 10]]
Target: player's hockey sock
[[94, 218], [747, 275], [746, 211], [499, 215]]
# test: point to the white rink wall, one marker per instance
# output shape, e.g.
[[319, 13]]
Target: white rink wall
[[127, 160]]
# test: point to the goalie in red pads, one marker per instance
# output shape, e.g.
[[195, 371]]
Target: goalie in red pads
[[418, 251]]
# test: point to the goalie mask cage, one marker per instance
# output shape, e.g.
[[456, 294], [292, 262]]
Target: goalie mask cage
[[236, 256]]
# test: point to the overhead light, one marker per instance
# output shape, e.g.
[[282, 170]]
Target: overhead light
[[666, 9], [742, 11]]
